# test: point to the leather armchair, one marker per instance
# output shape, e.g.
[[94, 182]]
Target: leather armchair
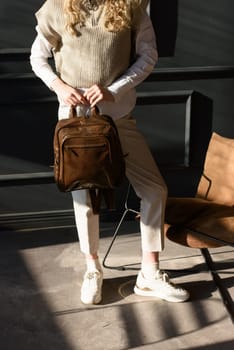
[[207, 221]]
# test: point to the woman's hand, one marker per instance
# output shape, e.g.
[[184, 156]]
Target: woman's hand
[[97, 93], [66, 93]]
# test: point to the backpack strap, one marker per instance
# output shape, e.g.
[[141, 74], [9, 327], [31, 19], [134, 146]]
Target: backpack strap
[[108, 195], [96, 196]]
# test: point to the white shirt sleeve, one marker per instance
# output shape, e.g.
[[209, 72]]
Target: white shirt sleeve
[[147, 56], [41, 51]]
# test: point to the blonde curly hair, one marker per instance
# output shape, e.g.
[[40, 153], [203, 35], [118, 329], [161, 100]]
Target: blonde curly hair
[[118, 14]]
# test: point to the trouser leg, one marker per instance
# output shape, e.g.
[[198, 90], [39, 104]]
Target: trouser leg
[[86, 222], [147, 182]]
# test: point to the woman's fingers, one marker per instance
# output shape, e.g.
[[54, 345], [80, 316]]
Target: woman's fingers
[[69, 95], [97, 93], [73, 97], [77, 97], [93, 95]]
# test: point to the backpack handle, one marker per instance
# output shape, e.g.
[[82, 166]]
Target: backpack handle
[[91, 111]]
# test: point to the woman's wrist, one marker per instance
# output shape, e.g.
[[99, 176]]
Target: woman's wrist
[[56, 84]]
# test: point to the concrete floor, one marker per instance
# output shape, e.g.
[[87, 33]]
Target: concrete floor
[[40, 278]]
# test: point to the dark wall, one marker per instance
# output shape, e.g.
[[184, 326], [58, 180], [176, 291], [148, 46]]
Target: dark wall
[[17, 22], [205, 37], [189, 33], [205, 29], [205, 33], [164, 16]]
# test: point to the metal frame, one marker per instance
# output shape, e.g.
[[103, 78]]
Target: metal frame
[[127, 210]]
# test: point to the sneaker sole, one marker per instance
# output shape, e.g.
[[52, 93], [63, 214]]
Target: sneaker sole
[[150, 293], [91, 302]]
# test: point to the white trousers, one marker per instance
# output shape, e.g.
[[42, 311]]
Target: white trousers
[[142, 172]]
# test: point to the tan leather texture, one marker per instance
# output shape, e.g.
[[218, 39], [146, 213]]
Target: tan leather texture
[[208, 220], [217, 181], [187, 217], [87, 153]]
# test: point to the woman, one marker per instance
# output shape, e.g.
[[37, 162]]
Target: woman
[[102, 50]]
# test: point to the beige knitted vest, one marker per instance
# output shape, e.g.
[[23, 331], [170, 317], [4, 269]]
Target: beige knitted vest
[[96, 56]]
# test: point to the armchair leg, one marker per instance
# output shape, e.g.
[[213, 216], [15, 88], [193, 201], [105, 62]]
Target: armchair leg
[[226, 297]]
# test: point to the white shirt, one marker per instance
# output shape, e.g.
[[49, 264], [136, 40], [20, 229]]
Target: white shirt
[[123, 89]]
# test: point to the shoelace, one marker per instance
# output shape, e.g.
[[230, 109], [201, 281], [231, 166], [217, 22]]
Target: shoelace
[[170, 285], [92, 275], [165, 278]]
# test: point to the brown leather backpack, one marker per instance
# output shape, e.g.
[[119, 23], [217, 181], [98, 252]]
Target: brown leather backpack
[[88, 155]]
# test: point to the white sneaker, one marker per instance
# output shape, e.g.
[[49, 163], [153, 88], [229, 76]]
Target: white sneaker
[[160, 287], [91, 290]]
